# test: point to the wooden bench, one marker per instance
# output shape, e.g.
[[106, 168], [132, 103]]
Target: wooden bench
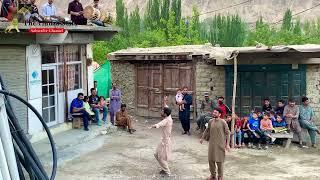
[[286, 136], [77, 121]]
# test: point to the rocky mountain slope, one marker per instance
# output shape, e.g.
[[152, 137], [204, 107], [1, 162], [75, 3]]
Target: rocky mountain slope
[[270, 10]]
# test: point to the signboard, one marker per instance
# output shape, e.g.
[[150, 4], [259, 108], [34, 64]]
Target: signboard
[[34, 71]]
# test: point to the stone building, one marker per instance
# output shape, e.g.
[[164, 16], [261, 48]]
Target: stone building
[[145, 76]]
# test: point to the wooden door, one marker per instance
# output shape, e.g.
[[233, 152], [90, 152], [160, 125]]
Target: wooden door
[[259, 82], [155, 80]]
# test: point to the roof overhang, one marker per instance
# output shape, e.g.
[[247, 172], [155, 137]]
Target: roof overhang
[[73, 34], [300, 54]]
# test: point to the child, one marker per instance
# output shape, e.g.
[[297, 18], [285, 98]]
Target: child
[[87, 106], [179, 98], [238, 132], [280, 107], [102, 103], [254, 128], [272, 116], [246, 133], [279, 125], [266, 127]]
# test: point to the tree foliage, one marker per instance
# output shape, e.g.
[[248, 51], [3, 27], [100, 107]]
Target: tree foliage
[[163, 25]]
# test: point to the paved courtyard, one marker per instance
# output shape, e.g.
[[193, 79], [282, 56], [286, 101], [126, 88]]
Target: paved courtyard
[[124, 156]]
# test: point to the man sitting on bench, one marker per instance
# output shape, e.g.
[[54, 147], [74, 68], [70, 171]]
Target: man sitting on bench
[[77, 107], [123, 119]]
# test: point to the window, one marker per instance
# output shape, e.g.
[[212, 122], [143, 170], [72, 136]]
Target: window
[[74, 68], [49, 54]]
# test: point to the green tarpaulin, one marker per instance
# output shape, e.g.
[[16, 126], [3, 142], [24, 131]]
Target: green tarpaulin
[[103, 77]]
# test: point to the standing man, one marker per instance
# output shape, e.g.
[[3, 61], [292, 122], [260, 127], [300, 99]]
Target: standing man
[[291, 113], [218, 135], [306, 119], [123, 119], [184, 115], [77, 107], [115, 101], [94, 103], [95, 86], [207, 106], [75, 9], [163, 152]]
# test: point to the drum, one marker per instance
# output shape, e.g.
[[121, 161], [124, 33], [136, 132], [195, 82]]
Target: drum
[[91, 13]]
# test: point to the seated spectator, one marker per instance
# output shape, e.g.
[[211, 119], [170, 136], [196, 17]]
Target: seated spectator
[[280, 107], [246, 133], [123, 119], [307, 120], [207, 106], [266, 129], [279, 125], [87, 106], [8, 7], [77, 107], [94, 103], [266, 105], [254, 127], [97, 20], [225, 109], [49, 12], [272, 116], [34, 13], [102, 103], [238, 133], [75, 9]]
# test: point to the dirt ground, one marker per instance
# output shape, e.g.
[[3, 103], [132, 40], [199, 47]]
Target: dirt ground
[[126, 156]]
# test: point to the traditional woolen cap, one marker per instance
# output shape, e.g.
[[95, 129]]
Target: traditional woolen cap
[[206, 94]]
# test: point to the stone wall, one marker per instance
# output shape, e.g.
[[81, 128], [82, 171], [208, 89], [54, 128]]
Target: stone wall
[[209, 78], [312, 79], [123, 73]]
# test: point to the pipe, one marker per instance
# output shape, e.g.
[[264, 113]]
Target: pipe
[[7, 142], [4, 171], [28, 145], [53, 148]]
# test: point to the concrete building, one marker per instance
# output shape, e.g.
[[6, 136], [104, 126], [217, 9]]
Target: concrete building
[[280, 72], [48, 70]]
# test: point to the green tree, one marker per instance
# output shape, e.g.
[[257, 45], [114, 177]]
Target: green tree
[[135, 22], [120, 10], [287, 20]]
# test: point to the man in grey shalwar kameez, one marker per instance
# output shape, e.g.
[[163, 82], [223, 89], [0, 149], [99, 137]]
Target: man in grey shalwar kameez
[[218, 135], [163, 151]]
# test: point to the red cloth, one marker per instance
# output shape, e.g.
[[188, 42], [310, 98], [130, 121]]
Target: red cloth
[[224, 111]]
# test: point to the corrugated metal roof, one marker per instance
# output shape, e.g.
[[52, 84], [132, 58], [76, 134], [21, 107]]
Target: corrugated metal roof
[[218, 53]]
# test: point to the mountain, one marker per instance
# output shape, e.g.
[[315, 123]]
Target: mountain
[[270, 10]]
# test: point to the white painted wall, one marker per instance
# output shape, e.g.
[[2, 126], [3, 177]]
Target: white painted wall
[[33, 59], [90, 68]]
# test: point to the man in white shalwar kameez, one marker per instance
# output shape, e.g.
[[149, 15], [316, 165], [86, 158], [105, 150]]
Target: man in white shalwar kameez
[[163, 151]]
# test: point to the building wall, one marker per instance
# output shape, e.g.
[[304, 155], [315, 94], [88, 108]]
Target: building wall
[[13, 72], [123, 73], [211, 79], [313, 77]]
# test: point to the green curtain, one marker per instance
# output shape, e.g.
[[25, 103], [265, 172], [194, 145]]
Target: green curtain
[[103, 77]]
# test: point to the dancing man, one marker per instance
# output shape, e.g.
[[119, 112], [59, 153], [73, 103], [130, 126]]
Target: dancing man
[[164, 148]]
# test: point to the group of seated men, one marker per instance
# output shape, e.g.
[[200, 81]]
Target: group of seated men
[[27, 11], [93, 106], [257, 128]]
